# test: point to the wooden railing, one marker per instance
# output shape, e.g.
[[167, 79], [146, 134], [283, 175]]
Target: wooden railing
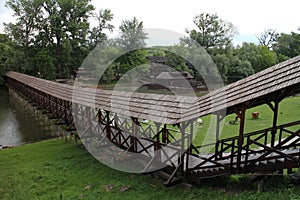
[[256, 148]]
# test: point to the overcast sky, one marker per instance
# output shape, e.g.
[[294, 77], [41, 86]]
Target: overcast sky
[[250, 17]]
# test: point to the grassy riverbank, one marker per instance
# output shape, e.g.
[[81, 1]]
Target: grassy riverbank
[[54, 169]]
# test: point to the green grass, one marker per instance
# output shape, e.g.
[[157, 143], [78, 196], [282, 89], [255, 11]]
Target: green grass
[[54, 169], [289, 111]]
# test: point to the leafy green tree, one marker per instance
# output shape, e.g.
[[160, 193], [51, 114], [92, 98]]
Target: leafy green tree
[[6, 52], [259, 56], [175, 61], [28, 14], [45, 65], [267, 59], [287, 45], [223, 63], [13, 57], [109, 75], [67, 20], [59, 27], [132, 39], [101, 62], [97, 34], [239, 69], [248, 51], [132, 35], [212, 31], [130, 60]]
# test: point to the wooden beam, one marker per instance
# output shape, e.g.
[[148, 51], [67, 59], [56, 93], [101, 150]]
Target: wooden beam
[[241, 115], [275, 118], [219, 119], [107, 125], [271, 106], [189, 150], [164, 134]]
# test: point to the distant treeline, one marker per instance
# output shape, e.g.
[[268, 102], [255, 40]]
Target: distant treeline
[[51, 38]]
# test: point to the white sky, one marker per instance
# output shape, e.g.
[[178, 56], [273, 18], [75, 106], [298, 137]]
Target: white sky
[[250, 17]]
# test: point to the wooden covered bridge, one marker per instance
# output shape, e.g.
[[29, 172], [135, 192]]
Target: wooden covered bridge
[[145, 123]]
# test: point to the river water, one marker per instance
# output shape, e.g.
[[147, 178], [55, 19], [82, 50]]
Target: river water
[[17, 126]]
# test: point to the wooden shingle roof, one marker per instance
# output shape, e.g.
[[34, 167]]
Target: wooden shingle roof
[[253, 90], [155, 107], [174, 109]]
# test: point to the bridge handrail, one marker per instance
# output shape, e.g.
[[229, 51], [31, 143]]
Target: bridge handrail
[[252, 133]]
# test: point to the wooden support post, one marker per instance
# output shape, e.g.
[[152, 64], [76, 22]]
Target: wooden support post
[[275, 117], [241, 115], [116, 120], [107, 124], [274, 108], [182, 148], [65, 112], [219, 119], [157, 145], [116, 126], [133, 135], [91, 118], [56, 106], [189, 150], [99, 115], [164, 134]]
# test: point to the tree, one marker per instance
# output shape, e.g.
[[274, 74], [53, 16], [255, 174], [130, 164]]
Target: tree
[[239, 69], [6, 52], [259, 56], [51, 26], [132, 35], [130, 60], [67, 20], [287, 45], [27, 13], [266, 59], [97, 33], [267, 38], [223, 63], [176, 62], [45, 65], [212, 31], [132, 39], [22, 32]]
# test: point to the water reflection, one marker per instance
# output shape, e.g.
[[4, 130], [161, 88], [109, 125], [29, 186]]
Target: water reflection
[[17, 125]]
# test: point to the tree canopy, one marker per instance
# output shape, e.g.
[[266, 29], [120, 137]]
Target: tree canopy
[[212, 31], [58, 28], [51, 38], [132, 34], [287, 45], [6, 52]]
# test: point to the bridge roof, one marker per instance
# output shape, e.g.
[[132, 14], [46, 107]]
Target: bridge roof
[[281, 79]]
